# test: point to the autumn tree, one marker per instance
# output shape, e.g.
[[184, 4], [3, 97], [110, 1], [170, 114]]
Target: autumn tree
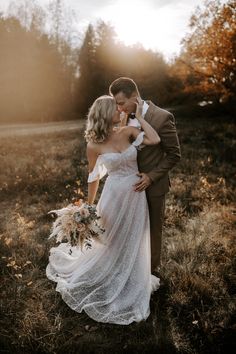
[[208, 59]]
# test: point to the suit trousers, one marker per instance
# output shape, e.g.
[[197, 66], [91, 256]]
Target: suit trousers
[[156, 205]]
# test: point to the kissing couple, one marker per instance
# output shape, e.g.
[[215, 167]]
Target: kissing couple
[[113, 282]]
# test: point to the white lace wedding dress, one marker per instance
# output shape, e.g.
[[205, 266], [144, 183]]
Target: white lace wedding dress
[[112, 281]]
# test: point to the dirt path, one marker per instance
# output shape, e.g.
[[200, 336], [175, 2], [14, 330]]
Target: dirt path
[[7, 130]]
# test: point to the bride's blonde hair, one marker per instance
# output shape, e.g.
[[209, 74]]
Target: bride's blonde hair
[[99, 119]]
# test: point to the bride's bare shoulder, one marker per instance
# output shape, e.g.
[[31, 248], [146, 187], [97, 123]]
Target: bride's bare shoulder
[[93, 148], [91, 145]]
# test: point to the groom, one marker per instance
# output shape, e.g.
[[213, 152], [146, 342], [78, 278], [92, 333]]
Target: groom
[[154, 161]]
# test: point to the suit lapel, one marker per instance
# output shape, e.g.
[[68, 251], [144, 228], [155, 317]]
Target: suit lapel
[[149, 113], [148, 117]]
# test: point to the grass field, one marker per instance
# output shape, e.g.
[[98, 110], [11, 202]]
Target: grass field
[[194, 311]]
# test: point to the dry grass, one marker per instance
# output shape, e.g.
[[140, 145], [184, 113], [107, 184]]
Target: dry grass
[[194, 310]]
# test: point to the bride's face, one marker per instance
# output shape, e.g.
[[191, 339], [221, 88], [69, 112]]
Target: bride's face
[[116, 117]]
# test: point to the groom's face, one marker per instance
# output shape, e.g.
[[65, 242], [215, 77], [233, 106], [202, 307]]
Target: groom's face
[[124, 103]]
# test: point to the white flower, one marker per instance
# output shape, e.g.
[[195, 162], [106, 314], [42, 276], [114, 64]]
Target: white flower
[[84, 212]]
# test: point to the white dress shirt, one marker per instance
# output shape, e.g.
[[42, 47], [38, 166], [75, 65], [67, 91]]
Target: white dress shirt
[[134, 122]]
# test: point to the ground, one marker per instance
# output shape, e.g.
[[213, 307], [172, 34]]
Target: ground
[[194, 309]]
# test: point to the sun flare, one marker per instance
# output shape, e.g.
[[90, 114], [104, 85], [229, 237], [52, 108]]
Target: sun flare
[[136, 22]]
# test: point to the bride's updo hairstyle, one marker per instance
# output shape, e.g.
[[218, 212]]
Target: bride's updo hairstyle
[[100, 119]]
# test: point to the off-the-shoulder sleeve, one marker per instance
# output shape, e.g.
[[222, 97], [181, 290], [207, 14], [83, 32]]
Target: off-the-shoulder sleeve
[[138, 141], [98, 171]]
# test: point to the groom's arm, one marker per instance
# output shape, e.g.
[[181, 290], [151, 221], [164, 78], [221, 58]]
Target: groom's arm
[[171, 147]]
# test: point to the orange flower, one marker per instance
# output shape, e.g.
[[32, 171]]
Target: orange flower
[[78, 202]]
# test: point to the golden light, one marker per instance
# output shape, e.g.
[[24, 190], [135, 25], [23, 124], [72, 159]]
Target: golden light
[[138, 22]]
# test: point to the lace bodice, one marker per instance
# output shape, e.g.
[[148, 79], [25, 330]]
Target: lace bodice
[[117, 163]]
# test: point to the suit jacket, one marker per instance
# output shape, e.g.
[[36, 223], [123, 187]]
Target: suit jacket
[[157, 160]]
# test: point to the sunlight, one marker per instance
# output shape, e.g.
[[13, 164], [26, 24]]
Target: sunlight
[[136, 22]]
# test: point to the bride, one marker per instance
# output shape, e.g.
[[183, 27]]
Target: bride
[[111, 281]]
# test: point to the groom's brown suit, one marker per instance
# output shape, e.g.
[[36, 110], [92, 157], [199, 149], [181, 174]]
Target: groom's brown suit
[[156, 161]]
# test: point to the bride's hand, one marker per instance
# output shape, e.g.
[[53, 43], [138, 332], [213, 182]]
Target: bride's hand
[[123, 119], [139, 107]]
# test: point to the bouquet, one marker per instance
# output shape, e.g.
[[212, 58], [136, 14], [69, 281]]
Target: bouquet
[[77, 224]]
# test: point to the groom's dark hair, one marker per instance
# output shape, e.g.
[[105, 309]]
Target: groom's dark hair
[[125, 85]]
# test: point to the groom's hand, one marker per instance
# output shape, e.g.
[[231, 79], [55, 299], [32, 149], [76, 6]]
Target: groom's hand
[[143, 183]]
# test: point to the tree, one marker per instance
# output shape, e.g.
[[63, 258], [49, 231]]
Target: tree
[[86, 86], [35, 78], [102, 59], [209, 51]]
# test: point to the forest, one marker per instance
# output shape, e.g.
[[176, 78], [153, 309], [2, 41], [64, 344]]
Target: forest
[[49, 71], [49, 76]]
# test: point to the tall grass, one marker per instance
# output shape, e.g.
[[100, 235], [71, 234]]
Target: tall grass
[[194, 309]]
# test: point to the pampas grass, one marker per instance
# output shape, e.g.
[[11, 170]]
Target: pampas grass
[[76, 224]]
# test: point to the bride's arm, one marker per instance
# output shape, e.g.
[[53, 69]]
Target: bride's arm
[[151, 137], [92, 191], [92, 186]]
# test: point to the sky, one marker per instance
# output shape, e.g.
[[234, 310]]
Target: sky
[[156, 24]]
